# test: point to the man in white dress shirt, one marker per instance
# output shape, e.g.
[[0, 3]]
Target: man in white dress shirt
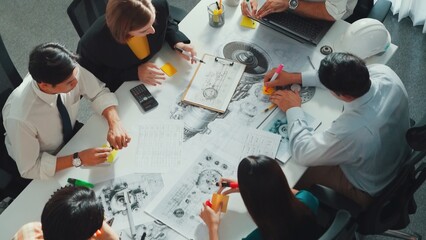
[[330, 10], [34, 125], [362, 151]]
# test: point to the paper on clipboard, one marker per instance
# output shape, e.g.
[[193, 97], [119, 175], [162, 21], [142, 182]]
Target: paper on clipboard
[[214, 82]]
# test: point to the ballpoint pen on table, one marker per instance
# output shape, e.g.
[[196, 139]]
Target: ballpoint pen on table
[[129, 213], [269, 108], [188, 54], [310, 61]]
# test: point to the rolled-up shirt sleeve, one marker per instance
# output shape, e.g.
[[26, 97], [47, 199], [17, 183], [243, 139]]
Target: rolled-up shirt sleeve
[[95, 90], [311, 79], [31, 163], [337, 9], [309, 148]]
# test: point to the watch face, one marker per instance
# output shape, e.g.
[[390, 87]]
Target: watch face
[[76, 162], [293, 4]]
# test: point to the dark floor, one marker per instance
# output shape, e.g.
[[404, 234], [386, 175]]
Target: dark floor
[[24, 24]]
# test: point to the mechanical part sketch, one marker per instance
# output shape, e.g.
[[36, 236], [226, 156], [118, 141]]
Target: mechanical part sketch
[[143, 188], [248, 101], [277, 123], [154, 230], [214, 83], [180, 205]]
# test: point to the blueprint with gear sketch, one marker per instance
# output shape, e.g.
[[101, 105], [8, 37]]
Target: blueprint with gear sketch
[[142, 187], [247, 102], [179, 206], [277, 123]]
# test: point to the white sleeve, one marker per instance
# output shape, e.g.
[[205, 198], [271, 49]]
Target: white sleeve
[[24, 148], [95, 90], [309, 148], [311, 79], [336, 8]]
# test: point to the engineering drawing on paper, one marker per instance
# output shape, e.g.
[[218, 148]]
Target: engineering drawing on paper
[[180, 206]]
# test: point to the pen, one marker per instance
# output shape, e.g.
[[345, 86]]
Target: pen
[[217, 5], [129, 214], [277, 71], [269, 108], [249, 6], [80, 183], [188, 54], [310, 61], [228, 184]]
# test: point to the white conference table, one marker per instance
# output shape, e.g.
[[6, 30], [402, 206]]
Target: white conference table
[[28, 205]]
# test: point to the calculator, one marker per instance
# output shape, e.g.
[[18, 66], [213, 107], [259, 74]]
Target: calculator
[[144, 97]]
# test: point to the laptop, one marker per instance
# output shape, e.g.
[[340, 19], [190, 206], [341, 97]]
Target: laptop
[[302, 29]]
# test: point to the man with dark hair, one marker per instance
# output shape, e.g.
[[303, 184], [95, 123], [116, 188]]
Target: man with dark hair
[[40, 115], [364, 147], [72, 213]]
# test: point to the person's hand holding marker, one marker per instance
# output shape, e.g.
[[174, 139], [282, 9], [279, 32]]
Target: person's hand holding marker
[[249, 8], [272, 6]]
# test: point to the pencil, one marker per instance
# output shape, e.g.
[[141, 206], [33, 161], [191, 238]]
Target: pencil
[[269, 108]]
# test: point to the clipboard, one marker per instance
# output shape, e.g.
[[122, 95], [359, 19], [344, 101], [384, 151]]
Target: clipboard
[[214, 82]]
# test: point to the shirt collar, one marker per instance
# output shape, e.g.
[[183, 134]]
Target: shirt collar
[[46, 97], [358, 102]]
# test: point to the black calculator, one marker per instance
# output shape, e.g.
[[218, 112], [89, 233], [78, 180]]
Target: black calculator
[[144, 97]]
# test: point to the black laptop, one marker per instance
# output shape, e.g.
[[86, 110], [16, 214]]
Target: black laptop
[[306, 30]]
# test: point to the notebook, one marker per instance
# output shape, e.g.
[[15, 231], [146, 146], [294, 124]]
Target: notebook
[[306, 30]]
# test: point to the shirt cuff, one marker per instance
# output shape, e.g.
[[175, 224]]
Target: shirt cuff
[[311, 79], [48, 165], [294, 114], [103, 102]]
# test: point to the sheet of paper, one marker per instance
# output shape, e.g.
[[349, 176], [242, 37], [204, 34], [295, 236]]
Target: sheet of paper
[[259, 142], [277, 123], [179, 206], [160, 146], [142, 190], [214, 82]]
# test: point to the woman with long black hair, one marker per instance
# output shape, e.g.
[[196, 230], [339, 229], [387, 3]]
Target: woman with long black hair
[[278, 211]]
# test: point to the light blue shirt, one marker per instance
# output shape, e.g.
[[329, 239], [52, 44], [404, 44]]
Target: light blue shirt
[[367, 140]]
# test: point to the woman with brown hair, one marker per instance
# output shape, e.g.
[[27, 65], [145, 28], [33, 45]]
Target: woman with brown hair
[[119, 45], [279, 212]]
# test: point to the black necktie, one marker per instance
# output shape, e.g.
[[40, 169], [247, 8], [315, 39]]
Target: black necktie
[[65, 118]]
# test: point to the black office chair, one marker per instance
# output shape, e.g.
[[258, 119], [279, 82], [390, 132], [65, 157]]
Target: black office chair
[[367, 9], [389, 211], [83, 13], [10, 79], [7, 69], [342, 228]]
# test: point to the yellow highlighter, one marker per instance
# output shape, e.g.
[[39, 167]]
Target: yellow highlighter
[[216, 15], [112, 156], [217, 199]]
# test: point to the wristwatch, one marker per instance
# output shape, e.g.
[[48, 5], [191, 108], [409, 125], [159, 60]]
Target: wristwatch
[[292, 4], [76, 161]]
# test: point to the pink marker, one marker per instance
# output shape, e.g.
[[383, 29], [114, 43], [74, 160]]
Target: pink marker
[[279, 69]]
